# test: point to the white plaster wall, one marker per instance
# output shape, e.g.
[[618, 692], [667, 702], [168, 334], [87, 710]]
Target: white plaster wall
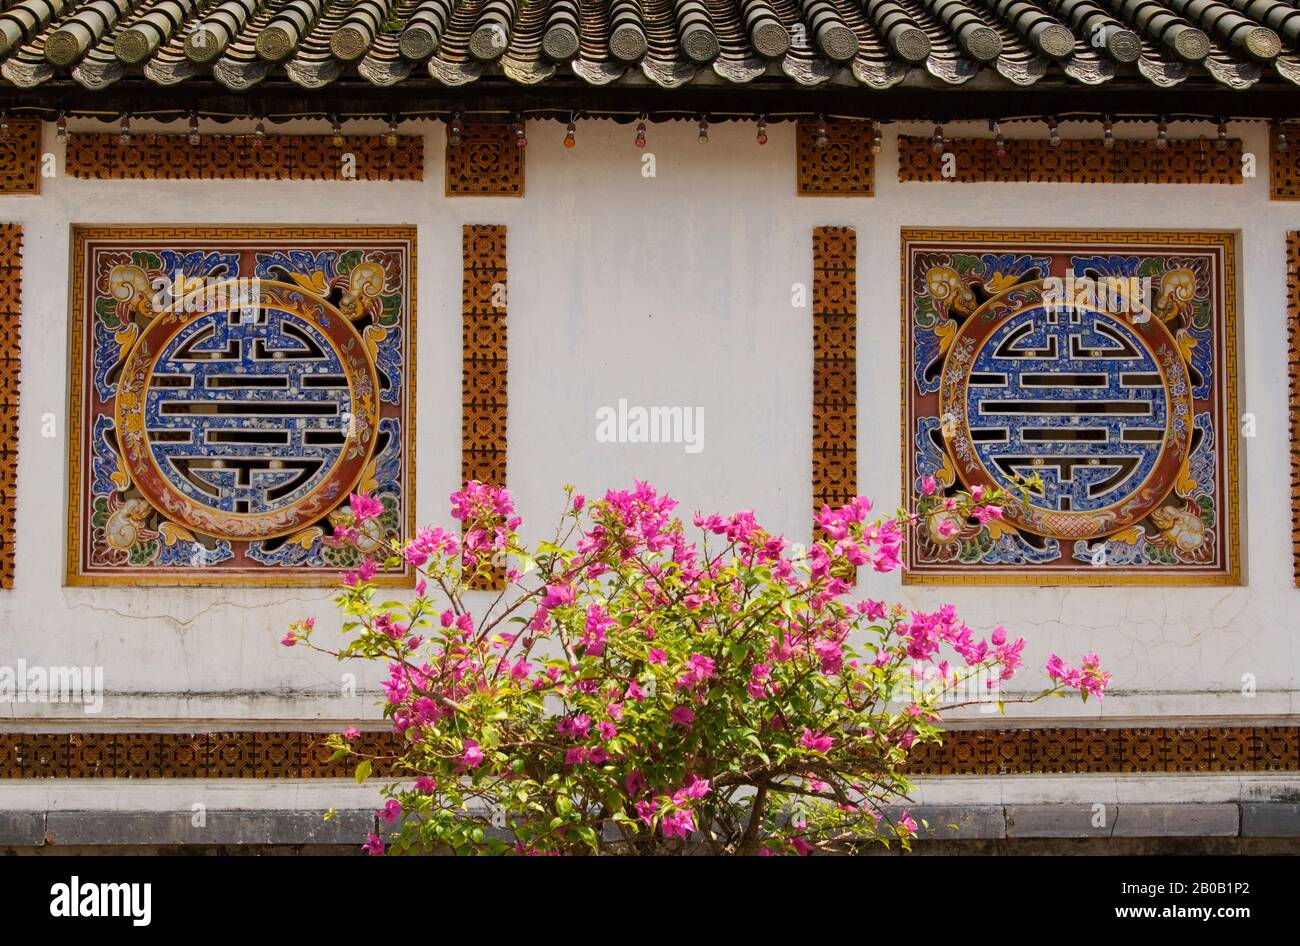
[[671, 290]]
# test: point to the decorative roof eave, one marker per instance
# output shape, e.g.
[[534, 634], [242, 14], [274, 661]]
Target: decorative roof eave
[[671, 44]]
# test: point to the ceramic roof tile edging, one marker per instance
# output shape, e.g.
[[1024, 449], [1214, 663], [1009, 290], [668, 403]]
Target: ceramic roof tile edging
[[670, 43]]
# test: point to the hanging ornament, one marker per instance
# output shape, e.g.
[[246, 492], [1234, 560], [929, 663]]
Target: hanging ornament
[[761, 136], [570, 134], [454, 133], [192, 136], [520, 139], [124, 129], [1054, 133], [390, 138], [61, 127], [822, 139], [1221, 143], [640, 134], [1283, 146], [999, 139], [336, 132], [877, 138], [259, 134], [1107, 134], [704, 131], [938, 142], [1162, 133]]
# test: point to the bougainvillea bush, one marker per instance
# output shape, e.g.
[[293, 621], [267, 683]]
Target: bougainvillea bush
[[645, 687]]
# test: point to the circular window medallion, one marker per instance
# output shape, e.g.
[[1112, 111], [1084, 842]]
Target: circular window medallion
[[1097, 403], [247, 410]]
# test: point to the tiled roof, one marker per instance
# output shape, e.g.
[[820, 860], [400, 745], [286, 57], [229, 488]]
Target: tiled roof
[[875, 43]]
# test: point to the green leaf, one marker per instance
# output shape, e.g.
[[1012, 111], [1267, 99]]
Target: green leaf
[[363, 771]]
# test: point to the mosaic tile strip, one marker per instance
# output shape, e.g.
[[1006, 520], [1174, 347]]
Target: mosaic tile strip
[[484, 368], [289, 754], [230, 388], [1293, 378], [1101, 362], [1129, 161], [843, 166], [487, 162], [244, 157], [11, 291], [835, 360], [20, 157]]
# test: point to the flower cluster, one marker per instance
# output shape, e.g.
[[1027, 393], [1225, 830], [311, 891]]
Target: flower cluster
[[640, 689]]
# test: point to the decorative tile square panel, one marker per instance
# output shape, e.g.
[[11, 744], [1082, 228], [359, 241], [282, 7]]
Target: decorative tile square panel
[[230, 388], [487, 162], [843, 167], [1099, 367], [20, 157]]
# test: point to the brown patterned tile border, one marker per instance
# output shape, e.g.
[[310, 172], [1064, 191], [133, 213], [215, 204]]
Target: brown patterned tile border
[[271, 755], [1293, 378], [842, 167], [11, 287], [1130, 161], [483, 378], [20, 157], [486, 162], [244, 157], [835, 359]]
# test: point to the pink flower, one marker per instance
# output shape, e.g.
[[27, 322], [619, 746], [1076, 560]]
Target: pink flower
[[678, 824], [816, 741], [907, 821], [374, 845], [607, 731], [425, 785], [928, 485], [977, 493], [693, 787], [365, 507], [635, 783], [656, 656], [473, 756], [802, 847], [645, 810], [351, 733], [683, 715], [391, 812], [289, 639], [362, 574], [579, 501], [557, 596]]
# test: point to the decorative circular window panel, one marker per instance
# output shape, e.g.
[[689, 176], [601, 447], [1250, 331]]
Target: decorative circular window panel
[[234, 389], [1092, 376]]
